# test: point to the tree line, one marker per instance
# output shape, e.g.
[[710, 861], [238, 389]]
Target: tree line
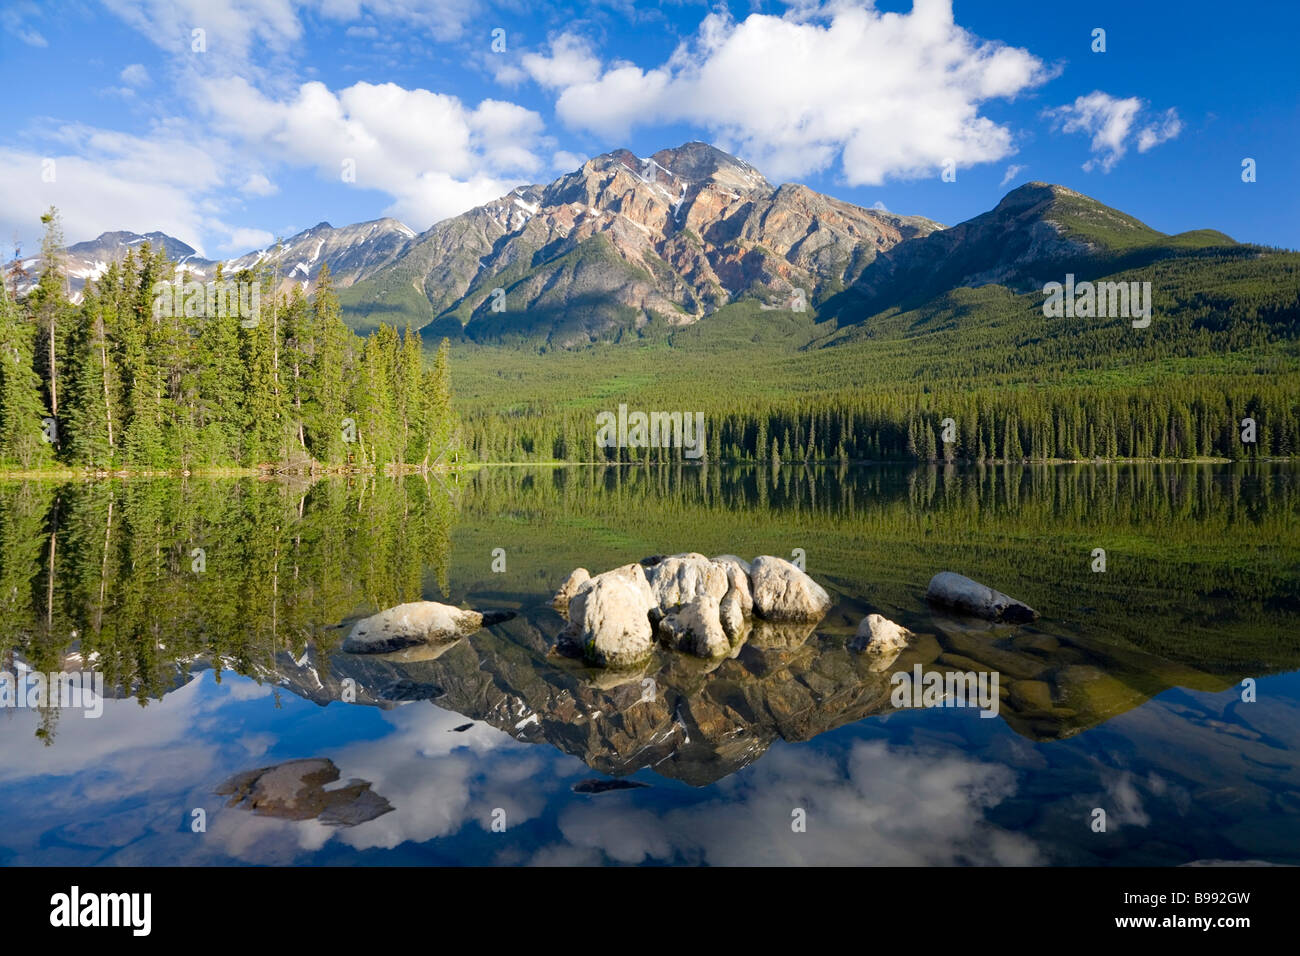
[[1180, 420], [155, 369]]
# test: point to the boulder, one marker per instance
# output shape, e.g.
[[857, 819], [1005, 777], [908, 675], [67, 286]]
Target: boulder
[[732, 560], [408, 625], [879, 635], [696, 628], [572, 584], [609, 618], [738, 581], [784, 593], [970, 597], [731, 611], [681, 578]]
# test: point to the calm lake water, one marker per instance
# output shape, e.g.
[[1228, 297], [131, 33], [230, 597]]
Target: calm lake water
[[1164, 690]]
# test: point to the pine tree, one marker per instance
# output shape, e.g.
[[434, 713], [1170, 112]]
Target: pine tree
[[94, 396], [22, 442], [49, 304], [439, 425]]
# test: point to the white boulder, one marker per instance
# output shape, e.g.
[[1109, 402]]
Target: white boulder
[[784, 593], [407, 625], [609, 618]]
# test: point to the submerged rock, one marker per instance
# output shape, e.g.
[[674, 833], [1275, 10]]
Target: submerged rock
[[407, 625], [784, 593], [609, 618], [605, 786], [881, 640], [879, 635], [780, 635], [970, 597], [295, 790]]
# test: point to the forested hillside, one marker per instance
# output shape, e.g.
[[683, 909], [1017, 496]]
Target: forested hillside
[[144, 375], [1223, 346]]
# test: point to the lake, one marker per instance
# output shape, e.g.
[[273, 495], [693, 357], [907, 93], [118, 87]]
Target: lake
[[1150, 716]]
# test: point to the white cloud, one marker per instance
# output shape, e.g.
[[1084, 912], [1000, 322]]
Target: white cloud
[[1110, 121], [254, 37], [172, 180], [258, 185], [242, 240], [11, 21], [889, 95], [570, 62], [435, 155], [1012, 172], [1161, 131], [134, 75], [233, 30], [566, 162], [94, 194]]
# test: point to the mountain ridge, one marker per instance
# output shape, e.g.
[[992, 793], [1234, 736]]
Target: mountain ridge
[[625, 244], [351, 252], [685, 231]]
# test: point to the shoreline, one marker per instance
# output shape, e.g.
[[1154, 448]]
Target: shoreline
[[86, 474]]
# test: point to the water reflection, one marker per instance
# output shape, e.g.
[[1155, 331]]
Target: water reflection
[[1124, 696]]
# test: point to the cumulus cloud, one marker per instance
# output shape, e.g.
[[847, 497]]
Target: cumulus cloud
[[1113, 124], [169, 179], [569, 63], [885, 94], [434, 154], [102, 181]]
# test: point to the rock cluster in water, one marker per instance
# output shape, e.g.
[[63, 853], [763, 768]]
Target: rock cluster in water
[[698, 605]]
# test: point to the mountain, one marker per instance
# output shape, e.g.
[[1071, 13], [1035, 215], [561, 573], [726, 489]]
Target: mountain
[[627, 245], [1036, 234], [352, 253], [623, 242], [87, 261]]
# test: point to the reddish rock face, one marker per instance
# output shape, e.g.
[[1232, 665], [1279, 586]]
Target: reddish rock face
[[625, 239]]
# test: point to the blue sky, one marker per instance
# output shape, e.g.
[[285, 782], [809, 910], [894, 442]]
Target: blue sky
[[114, 116]]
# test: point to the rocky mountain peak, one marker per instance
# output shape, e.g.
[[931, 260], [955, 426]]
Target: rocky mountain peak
[[700, 162], [628, 240]]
